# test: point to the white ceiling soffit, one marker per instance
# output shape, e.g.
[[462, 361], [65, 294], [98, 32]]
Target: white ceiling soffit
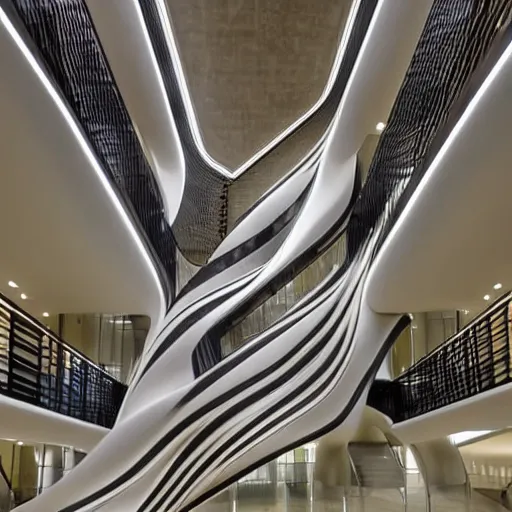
[[244, 87], [481, 412], [125, 40], [66, 241], [452, 242]]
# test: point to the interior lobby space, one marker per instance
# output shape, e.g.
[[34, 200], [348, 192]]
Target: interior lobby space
[[255, 256]]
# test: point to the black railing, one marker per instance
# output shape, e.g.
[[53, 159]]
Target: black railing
[[474, 360], [39, 368]]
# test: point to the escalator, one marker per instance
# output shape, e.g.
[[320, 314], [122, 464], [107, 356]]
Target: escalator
[[378, 473], [203, 432], [376, 466]]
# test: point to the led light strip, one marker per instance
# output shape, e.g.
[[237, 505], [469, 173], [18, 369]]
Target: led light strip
[[168, 111], [182, 85], [59, 103]]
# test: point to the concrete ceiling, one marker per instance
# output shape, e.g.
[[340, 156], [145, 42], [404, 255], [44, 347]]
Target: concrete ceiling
[[254, 66], [64, 241]]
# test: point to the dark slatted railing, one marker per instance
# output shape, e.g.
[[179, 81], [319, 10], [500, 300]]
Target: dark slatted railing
[[474, 360], [39, 368]]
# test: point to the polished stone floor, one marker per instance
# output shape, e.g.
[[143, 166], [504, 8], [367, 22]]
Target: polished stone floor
[[303, 499]]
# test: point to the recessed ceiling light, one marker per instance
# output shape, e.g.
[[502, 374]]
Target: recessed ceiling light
[[380, 126], [20, 443], [498, 286], [23, 296], [46, 315], [465, 311], [12, 284], [487, 297]]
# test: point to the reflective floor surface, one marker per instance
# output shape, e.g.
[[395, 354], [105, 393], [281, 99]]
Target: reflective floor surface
[[310, 498]]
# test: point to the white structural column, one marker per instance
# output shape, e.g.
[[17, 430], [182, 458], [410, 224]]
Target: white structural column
[[49, 466], [333, 472], [185, 433]]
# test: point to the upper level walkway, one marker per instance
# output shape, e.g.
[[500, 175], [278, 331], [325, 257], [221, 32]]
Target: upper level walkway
[[50, 392]]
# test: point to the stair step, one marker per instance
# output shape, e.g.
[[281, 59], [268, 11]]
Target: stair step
[[376, 466]]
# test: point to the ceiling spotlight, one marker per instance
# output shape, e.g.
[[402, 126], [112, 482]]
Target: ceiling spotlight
[[498, 286], [465, 311], [20, 443], [12, 284], [23, 296], [487, 297], [380, 126], [46, 315]]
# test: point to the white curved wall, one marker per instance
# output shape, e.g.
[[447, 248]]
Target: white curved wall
[[451, 243], [71, 248], [170, 446], [378, 74]]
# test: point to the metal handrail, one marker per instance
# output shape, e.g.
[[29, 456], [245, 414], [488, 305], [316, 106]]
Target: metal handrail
[[474, 360], [38, 367], [504, 299]]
